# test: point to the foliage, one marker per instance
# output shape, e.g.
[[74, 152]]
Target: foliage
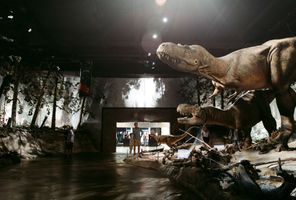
[[39, 82], [190, 86], [135, 83]]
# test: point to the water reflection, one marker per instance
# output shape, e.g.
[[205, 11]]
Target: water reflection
[[89, 176]]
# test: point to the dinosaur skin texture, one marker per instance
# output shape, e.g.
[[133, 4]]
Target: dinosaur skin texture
[[269, 65], [244, 113]]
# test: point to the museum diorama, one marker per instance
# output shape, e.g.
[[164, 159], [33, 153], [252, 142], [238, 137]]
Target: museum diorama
[[160, 99]]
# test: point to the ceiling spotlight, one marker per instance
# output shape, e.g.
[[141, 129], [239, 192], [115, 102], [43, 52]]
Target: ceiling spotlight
[[10, 16], [154, 36], [146, 63], [149, 54], [160, 2], [29, 30], [153, 63], [164, 20]]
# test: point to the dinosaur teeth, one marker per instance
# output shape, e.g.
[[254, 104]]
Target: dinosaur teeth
[[186, 114], [165, 56], [182, 118]]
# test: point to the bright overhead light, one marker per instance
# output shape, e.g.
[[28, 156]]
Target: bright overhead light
[[154, 36], [10, 16], [165, 20], [160, 2], [29, 30], [149, 54]]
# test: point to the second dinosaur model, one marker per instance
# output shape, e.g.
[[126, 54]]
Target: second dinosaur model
[[244, 113], [170, 140]]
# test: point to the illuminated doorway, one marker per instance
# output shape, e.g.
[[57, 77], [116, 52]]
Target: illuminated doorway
[[124, 129]]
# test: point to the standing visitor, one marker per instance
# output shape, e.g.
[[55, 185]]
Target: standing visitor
[[131, 143], [137, 134], [69, 142]]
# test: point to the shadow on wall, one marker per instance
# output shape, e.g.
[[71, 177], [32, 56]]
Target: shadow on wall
[[90, 133]]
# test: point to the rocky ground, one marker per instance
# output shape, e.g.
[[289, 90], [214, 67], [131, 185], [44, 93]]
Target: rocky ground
[[23, 143], [194, 178], [273, 155]]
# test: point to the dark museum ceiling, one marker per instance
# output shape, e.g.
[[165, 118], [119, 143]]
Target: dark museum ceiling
[[117, 35]]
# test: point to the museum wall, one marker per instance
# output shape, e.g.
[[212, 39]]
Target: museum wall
[[153, 93], [119, 93], [131, 93]]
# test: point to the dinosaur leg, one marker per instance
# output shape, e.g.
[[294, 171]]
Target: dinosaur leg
[[247, 139], [267, 118], [282, 71], [286, 102]]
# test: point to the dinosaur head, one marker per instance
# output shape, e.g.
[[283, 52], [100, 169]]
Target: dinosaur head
[[194, 115], [186, 58]]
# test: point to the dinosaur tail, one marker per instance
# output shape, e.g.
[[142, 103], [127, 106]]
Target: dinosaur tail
[[179, 137]]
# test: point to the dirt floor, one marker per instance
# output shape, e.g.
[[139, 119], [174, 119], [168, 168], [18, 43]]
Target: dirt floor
[[266, 163], [255, 157]]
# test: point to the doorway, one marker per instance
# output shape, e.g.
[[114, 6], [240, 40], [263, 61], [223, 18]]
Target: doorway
[[124, 129], [146, 118]]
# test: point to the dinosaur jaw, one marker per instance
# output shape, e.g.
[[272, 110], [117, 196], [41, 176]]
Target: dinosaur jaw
[[166, 58], [174, 56], [191, 114], [190, 120]]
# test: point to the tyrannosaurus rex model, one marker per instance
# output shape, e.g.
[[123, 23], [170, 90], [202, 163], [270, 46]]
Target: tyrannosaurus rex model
[[244, 113], [270, 65]]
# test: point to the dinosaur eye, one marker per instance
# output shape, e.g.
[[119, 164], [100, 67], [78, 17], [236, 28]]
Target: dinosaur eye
[[196, 62]]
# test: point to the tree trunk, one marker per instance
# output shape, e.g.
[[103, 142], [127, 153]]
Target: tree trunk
[[14, 101], [222, 99], [81, 113], [5, 83], [39, 101], [37, 108], [214, 101], [44, 120], [54, 106], [198, 92]]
